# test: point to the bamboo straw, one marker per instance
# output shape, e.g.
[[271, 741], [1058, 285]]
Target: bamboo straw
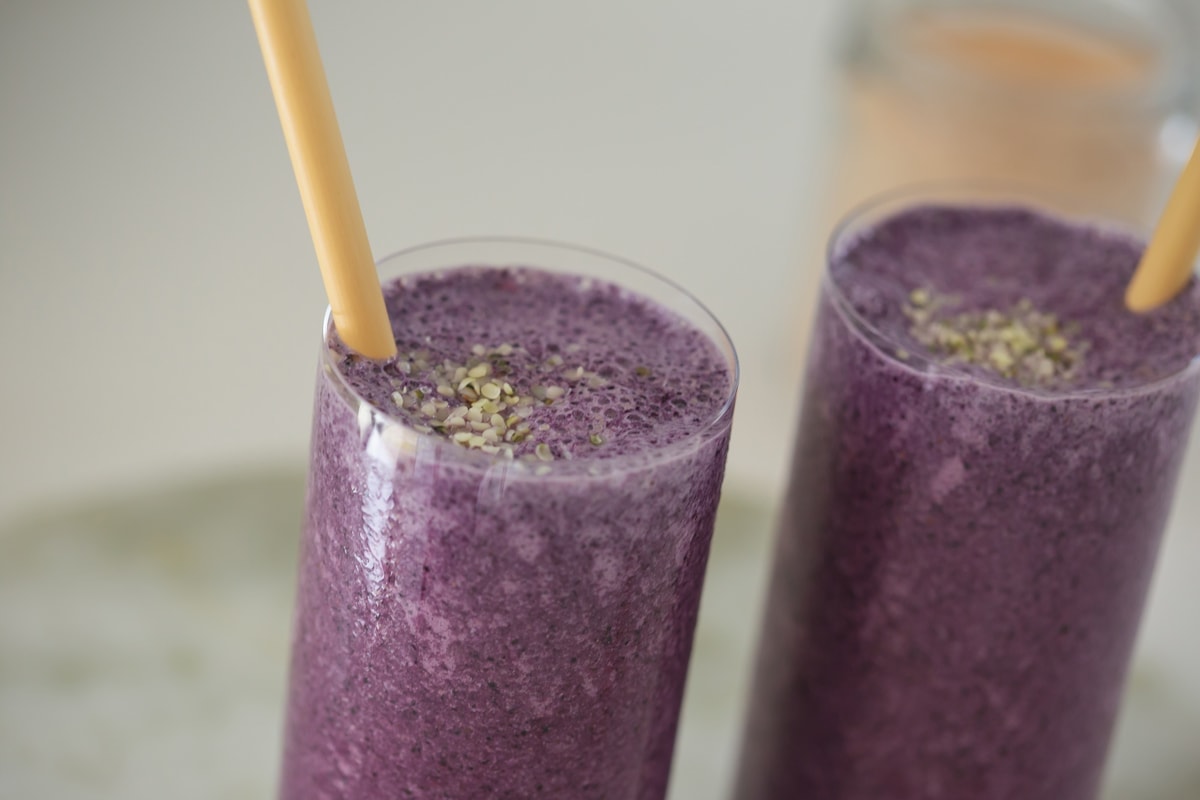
[[1168, 261], [314, 142]]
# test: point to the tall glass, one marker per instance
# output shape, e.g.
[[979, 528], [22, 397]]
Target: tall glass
[[962, 560], [469, 626]]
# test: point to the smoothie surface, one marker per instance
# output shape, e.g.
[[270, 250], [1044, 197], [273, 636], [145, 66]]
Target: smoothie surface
[[1046, 299], [521, 363]]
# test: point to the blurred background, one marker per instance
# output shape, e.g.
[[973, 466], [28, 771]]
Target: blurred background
[[161, 301]]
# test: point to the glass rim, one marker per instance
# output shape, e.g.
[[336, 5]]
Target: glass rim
[[444, 451], [963, 194], [1158, 26]]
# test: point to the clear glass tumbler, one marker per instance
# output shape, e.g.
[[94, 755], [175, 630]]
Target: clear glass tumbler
[[1074, 96], [986, 459], [473, 626]]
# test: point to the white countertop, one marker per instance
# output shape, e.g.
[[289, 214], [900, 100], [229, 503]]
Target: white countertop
[[125, 676]]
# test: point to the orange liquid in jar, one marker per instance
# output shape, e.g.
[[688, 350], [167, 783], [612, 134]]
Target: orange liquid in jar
[[1014, 97], [1017, 48], [1007, 96]]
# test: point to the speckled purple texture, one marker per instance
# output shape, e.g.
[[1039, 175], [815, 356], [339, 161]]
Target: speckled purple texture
[[469, 629], [660, 379], [960, 567], [1077, 273]]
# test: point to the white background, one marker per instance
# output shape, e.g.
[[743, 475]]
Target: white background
[[159, 297]]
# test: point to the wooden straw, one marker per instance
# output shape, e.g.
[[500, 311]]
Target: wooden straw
[[1167, 263], [289, 49]]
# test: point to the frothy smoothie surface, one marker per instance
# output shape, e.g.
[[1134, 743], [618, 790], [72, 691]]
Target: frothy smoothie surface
[[1013, 296], [526, 364]]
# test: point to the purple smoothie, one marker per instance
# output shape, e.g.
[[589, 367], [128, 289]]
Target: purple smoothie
[[510, 616], [963, 555]]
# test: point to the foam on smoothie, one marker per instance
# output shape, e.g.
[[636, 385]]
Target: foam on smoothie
[[518, 362], [996, 260]]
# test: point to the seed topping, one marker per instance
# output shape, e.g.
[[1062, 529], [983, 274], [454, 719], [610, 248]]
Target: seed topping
[[1031, 347], [480, 404]]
